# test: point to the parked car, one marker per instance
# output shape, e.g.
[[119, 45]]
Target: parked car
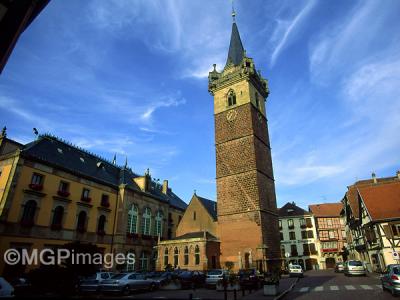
[[191, 279], [296, 271], [390, 279], [339, 268], [160, 278], [126, 282], [354, 267], [93, 283], [250, 278], [213, 276], [6, 289]]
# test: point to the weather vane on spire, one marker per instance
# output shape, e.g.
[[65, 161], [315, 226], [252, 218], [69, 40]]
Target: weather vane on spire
[[233, 12]]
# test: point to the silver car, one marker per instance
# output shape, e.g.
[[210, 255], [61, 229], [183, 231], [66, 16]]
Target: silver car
[[391, 279], [126, 282], [92, 283], [213, 276], [354, 267], [296, 271]]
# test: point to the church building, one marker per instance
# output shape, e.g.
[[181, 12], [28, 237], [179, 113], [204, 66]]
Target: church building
[[246, 223]]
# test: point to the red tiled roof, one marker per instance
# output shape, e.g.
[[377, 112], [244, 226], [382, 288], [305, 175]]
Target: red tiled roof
[[326, 209], [382, 200]]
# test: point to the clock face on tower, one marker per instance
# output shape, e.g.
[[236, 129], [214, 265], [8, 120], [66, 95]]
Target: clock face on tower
[[231, 115]]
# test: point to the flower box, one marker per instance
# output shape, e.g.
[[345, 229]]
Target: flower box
[[56, 226], [63, 193], [26, 223], [271, 289], [132, 235], [105, 204], [86, 199], [36, 187]]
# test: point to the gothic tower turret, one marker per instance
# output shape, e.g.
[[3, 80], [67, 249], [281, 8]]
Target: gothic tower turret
[[247, 212]]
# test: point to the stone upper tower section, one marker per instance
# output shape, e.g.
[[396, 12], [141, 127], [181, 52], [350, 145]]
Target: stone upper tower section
[[238, 67]]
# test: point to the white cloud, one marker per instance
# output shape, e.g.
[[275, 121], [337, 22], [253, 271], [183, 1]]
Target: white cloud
[[152, 107], [284, 32]]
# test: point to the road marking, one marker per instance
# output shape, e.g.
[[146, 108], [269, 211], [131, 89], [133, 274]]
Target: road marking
[[304, 289], [319, 288], [366, 287], [334, 288], [350, 287], [379, 285]]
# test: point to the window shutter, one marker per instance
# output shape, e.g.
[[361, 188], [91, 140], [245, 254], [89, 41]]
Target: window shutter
[[388, 232]]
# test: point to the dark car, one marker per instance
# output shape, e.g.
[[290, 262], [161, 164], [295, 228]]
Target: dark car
[[250, 279], [192, 279]]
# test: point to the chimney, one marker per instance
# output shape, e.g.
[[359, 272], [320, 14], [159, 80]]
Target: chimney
[[398, 174], [165, 187], [374, 177]]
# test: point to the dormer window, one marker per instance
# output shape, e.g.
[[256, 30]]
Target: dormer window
[[231, 98]]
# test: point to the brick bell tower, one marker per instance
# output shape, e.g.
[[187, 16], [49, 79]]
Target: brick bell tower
[[247, 212]]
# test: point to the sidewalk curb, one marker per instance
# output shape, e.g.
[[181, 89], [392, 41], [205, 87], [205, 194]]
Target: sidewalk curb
[[281, 295]]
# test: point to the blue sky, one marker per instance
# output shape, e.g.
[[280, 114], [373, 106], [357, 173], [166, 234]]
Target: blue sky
[[130, 77]]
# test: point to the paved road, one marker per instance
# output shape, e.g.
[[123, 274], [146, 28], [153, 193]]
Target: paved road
[[326, 284]]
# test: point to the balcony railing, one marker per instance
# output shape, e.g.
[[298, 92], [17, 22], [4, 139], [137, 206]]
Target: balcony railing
[[36, 187]]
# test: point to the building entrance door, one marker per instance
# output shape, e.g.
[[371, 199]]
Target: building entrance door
[[330, 262]]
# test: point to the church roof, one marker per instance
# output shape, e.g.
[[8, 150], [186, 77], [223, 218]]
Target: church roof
[[191, 235], [210, 206], [236, 50]]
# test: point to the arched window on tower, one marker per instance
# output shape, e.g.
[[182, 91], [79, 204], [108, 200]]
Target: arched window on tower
[[132, 219], [186, 256], [146, 221], [197, 255], [257, 100], [166, 257], [176, 257], [231, 98], [159, 221]]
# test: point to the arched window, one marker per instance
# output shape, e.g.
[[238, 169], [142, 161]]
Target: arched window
[[197, 255], [102, 225], [186, 256], [130, 266], [166, 257], [28, 215], [146, 221], [257, 100], [176, 257], [159, 221], [132, 219], [144, 261], [231, 98], [81, 225], [58, 215]]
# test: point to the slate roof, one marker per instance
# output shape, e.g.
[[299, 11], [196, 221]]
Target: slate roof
[[326, 209], [382, 200], [210, 206], [59, 153], [291, 209], [191, 235], [236, 50]]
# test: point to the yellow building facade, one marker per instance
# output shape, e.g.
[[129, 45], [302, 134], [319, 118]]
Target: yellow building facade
[[53, 193]]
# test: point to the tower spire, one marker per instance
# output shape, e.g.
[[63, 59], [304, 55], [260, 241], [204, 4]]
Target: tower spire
[[236, 50]]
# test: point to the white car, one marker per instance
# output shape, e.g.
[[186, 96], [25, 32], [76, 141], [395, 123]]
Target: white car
[[6, 289], [295, 271]]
